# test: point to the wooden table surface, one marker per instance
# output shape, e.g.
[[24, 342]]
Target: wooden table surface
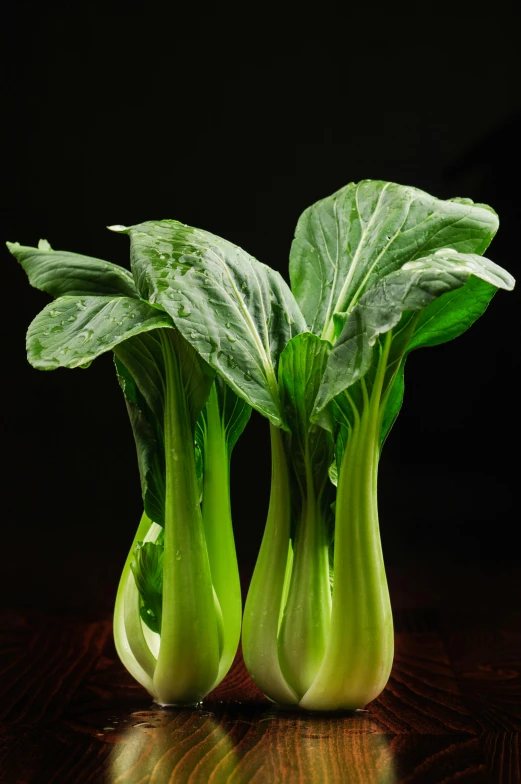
[[451, 713]]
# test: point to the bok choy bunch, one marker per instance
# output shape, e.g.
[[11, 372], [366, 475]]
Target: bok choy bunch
[[178, 609], [377, 270], [202, 332]]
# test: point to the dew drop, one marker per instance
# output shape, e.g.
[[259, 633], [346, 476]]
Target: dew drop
[[178, 555], [85, 336], [71, 318], [54, 313], [184, 311], [248, 376], [230, 337]]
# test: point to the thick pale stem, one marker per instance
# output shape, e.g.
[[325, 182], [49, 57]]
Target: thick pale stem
[[360, 649], [217, 520], [188, 659], [305, 625], [261, 613], [130, 643]]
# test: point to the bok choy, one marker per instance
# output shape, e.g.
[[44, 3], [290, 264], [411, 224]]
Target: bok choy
[[202, 332], [377, 270], [178, 609]]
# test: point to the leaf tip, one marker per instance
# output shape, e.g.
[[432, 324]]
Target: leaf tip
[[119, 228], [12, 247]]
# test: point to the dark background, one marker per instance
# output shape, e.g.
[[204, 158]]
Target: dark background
[[122, 114]]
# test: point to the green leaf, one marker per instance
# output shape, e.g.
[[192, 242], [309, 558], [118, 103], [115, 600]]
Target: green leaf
[[393, 403], [411, 288], [301, 368], [140, 368], [302, 365], [59, 272], [147, 568], [444, 319], [142, 356], [234, 413], [346, 242], [148, 435], [237, 313], [72, 331], [196, 375], [452, 314]]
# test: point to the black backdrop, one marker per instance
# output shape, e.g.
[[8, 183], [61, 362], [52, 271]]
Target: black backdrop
[[118, 114]]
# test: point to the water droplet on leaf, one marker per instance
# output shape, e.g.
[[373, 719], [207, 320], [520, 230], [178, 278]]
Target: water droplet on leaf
[[85, 336]]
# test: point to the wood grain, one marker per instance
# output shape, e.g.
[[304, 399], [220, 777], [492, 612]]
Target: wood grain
[[70, 713]]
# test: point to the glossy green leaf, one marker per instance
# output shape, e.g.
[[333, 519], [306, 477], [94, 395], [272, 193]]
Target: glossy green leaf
[[453, 313], [147, 568], [411, 288], [140, 368], [237, 313], [234, 414], [346, 242], [72, 331], [393, 403], [61, 273], [142, 356], [444, 319], [302, 366], [148, 436]]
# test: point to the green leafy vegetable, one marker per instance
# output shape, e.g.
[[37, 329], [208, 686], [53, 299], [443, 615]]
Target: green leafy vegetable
[[202, 333], [378, 270], [177, 620]]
